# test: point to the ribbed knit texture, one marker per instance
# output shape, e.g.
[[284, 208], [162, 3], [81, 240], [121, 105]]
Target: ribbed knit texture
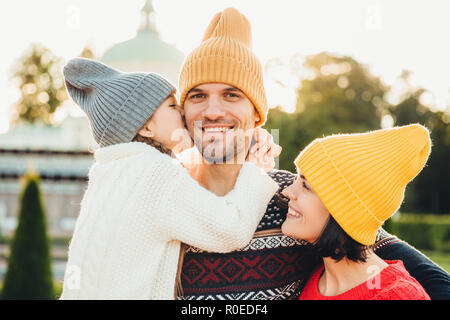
[[361, 178], [139, 205], [117, 104], [225, 56], [395, 283]]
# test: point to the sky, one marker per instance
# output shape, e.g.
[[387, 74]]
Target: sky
[[387, 36]]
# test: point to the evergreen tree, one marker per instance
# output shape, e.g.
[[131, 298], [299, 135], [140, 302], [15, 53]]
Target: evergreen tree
[[29, 273]]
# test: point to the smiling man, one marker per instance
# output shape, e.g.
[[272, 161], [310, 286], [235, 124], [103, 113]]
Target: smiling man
[[222, 92], [223, 96], [222, 119]]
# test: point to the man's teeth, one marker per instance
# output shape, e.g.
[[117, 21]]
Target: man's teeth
[[292, 212], [217, 129]]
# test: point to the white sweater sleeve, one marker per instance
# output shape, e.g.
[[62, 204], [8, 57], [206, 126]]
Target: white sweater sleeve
[[198, 217]]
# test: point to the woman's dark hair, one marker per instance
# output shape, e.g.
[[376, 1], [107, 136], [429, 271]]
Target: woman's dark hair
[[335, 243]]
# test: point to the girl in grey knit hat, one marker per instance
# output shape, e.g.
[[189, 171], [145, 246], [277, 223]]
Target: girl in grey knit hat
[[119, 105], [141, 204]]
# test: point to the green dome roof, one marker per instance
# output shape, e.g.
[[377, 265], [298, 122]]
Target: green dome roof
[[146, 46]]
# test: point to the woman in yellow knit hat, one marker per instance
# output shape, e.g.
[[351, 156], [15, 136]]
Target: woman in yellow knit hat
[[347, 186]]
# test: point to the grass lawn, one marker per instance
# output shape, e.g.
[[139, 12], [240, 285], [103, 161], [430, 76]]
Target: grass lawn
[[440, 258]]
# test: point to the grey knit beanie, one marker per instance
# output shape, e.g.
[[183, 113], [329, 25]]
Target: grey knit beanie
[[117, 104]]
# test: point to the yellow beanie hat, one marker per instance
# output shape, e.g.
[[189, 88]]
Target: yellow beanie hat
[[361, 178], [225, 56]]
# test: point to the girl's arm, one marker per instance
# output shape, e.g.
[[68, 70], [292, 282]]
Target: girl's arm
[[190, 213]]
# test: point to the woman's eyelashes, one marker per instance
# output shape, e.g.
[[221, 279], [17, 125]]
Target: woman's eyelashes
[[305, 186]]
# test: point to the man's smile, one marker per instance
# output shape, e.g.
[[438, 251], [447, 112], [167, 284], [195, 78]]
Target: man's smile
[[212, 131]]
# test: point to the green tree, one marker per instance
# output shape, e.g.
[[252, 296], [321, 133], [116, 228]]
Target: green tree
[[38, 76], [428, 192], [29, 273], [341, 95]]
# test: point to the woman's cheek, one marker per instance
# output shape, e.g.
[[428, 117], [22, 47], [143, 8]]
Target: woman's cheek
[[293, 228], [288, 229], [315, 232], [310, 226]]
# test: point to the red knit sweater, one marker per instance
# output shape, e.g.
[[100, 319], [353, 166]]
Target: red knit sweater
[[394, 283]]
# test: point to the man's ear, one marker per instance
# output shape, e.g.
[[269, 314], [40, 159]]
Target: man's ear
[[257, 117]]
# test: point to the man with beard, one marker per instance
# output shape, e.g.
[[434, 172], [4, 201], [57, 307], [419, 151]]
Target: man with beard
[[222, 93]]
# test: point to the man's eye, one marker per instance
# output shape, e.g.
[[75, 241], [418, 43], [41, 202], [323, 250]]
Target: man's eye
[[172, 105], [304, 185], [197, 96], [231, 95]]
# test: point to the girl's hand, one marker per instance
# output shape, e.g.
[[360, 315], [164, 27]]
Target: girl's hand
[[183, 140], [264, 151]]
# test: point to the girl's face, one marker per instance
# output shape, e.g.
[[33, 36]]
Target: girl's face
[[167, 126], [307, 215]]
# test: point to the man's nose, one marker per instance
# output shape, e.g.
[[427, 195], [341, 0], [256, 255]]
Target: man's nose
[[213, 110]]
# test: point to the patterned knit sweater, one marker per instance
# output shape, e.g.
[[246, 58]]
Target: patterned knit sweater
[[272, 266], [138, 206]]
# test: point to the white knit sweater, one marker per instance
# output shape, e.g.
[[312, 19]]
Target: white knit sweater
[[138, 206]]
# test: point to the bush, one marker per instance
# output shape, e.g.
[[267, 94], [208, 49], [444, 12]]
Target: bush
[[57, 285], [29, 273], [423, 231]]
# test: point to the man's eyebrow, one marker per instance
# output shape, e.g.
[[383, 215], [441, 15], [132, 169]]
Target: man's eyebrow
[[303, 177], [229, 89], [195, 90]]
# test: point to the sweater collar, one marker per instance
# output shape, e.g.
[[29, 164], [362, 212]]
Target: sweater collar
[[121, 150]]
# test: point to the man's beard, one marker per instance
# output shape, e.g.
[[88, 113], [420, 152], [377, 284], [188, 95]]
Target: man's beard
[[220, 152], [230, 149]]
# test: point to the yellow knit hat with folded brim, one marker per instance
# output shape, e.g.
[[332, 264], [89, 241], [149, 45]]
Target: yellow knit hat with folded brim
[[225, 56], [361, 178]]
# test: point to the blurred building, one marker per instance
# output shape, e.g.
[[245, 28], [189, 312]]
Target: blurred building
[[62, 155]]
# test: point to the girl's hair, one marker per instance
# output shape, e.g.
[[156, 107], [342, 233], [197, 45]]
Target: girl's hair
[[157, 145], [336, 244], [138, 138]]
